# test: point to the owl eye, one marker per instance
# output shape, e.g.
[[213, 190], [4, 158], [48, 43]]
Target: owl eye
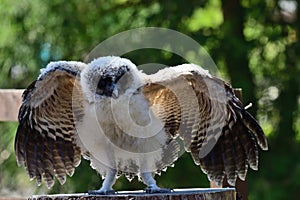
[[100, 86], [105, 86]]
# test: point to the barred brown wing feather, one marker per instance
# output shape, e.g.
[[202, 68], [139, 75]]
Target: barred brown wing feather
[[160, 97], [45, 140], [203, 110], [254, 127]]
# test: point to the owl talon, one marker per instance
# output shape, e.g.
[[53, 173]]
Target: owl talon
[[151, 190], [101, 192]]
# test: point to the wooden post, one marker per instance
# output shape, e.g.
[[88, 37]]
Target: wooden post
[[177, 194], [10, 101]]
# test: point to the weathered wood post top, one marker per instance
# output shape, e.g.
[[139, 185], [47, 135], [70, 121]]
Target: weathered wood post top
[[177, 194]]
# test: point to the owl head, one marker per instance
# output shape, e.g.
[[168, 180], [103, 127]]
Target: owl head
[[109, 77]]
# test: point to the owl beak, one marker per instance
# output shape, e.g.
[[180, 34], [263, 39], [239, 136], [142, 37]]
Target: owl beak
[[115, 92]]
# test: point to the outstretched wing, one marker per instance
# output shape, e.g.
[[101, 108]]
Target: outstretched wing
[[45, 140], [203, 110]]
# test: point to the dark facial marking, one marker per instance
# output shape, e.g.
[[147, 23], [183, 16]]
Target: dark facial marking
[[107, 84]]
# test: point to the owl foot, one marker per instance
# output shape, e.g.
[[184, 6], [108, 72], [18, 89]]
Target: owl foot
[[101, 192], [152, 190]]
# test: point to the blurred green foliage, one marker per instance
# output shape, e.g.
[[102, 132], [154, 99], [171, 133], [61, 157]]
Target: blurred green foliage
[[255, 45]]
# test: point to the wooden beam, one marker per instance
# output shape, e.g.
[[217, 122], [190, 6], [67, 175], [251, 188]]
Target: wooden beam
[[10, 101], [177, 194]]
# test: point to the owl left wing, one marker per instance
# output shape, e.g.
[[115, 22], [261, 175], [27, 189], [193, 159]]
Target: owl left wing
[[203, 110], [45, 140]]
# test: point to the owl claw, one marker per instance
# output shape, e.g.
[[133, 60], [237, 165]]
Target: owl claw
[[152, 190], [101, 192]]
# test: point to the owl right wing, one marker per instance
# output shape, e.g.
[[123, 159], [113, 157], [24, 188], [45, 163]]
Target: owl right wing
[[45, 140], [212, 122]]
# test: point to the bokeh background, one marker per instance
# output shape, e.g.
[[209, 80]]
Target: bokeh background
[[254, 43]]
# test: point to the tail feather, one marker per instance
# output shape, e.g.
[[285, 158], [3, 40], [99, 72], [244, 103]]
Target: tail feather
[[48, 174], [229, 155], [240, 158], [237, 147], [255, 128], [213, 165], [249, 144], [58, 162]]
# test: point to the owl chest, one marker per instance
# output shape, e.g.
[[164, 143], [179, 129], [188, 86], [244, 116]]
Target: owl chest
[[127, 113], [118, 134]]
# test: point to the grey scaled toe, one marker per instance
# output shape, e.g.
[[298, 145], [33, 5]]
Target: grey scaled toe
[[99, 192], [151, 190]]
